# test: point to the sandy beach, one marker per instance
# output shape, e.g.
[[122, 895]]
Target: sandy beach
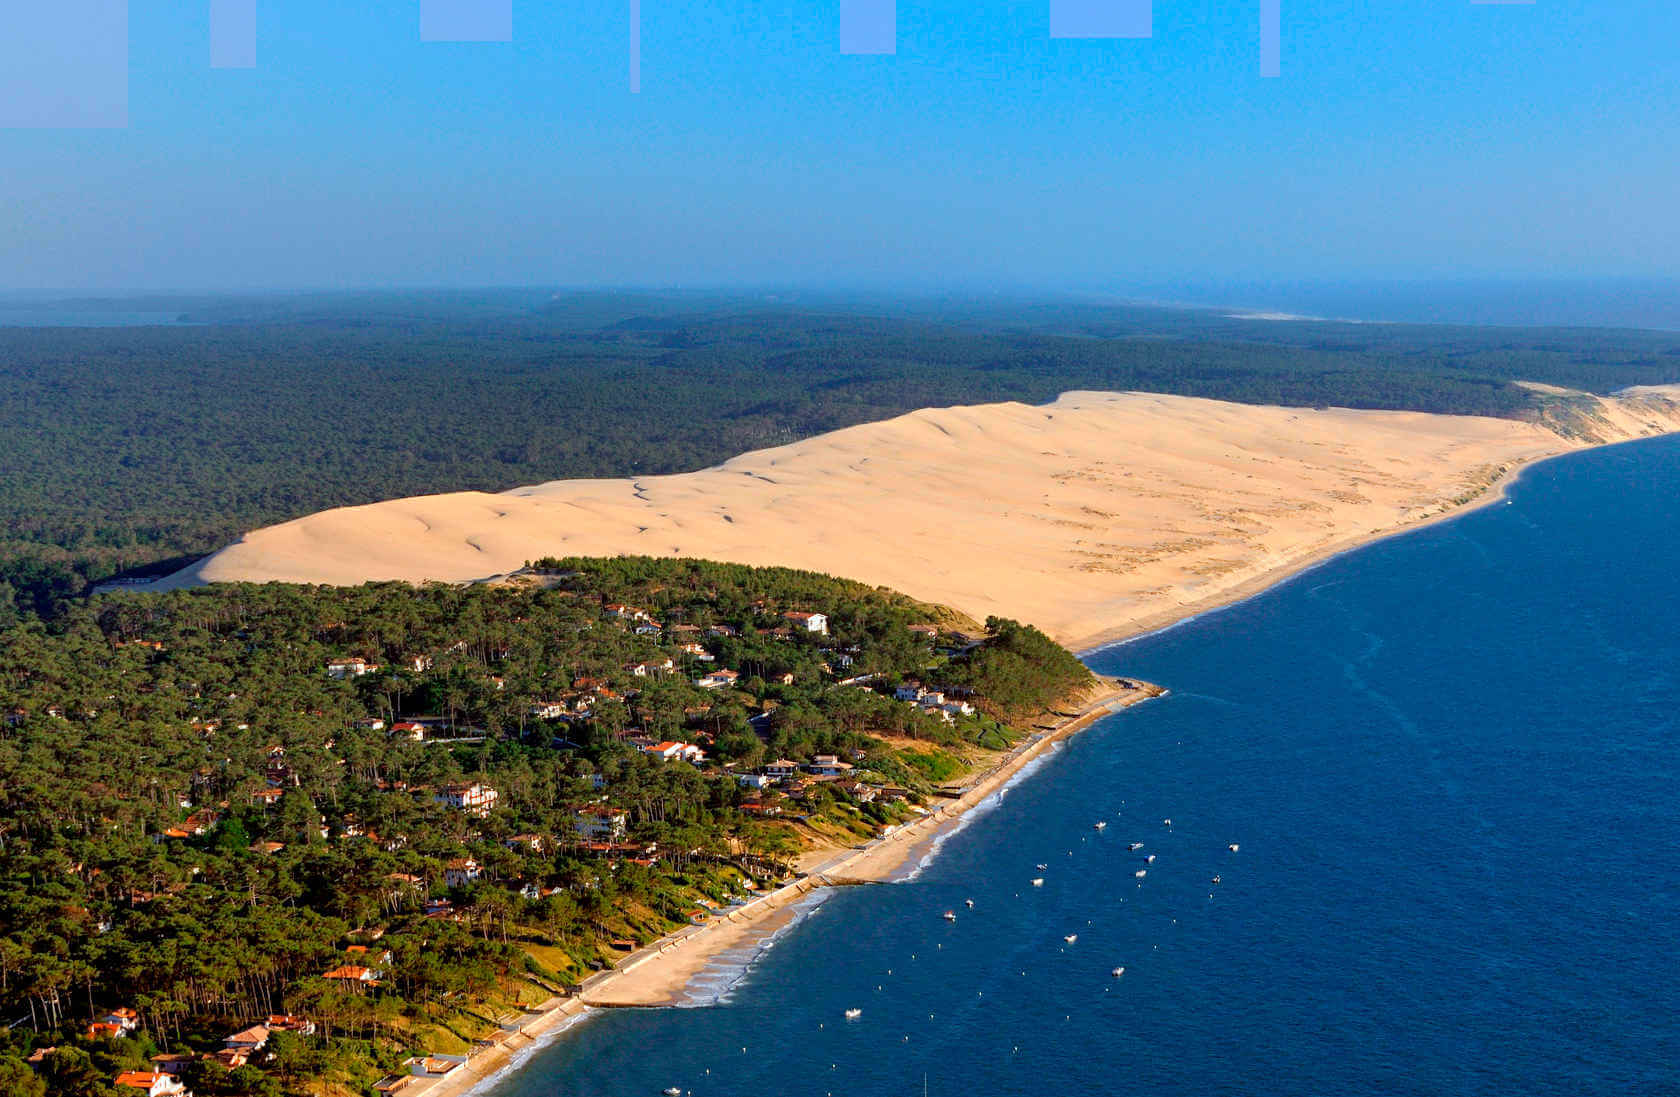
[[1098, 516], [659, 974]]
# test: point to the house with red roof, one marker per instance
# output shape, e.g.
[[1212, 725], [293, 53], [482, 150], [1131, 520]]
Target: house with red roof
[[152, 1083]]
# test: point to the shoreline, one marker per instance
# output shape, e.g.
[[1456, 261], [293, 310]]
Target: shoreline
[[658, 975], [1149, 624]]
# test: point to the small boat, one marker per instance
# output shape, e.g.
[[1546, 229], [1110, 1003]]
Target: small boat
[[950, 916], [1099, 826], [969, 903], [1038, 881], [1150, 860], [671, 1091], [1071, 938], [1041, 868], [1117, 972], [853, 1014], [1166, 822], [1216, 880], [1233, 847], [1135, 846], [1141, 873]]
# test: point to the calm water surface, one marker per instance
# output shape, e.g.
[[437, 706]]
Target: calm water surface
[[1450, 763]]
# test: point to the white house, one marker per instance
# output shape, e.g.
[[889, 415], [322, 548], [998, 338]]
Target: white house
[[474, 799], [808, 622], [254, 1038], [670, 751], [718, 679], [601, 824], [827, 765], [754, 780], [151, 1083], [547, 710], [350, 668], [461, 871]]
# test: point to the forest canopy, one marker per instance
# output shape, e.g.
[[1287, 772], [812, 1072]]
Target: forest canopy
[[141, 447]]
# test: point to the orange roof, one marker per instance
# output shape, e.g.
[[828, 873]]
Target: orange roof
[[139, 1079], [348, 971]]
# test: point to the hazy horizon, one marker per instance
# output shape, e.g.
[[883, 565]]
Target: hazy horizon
[[1481, 141], [1651, 304]]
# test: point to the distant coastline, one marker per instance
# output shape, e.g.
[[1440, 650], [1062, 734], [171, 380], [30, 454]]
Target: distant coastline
[[660, 974]]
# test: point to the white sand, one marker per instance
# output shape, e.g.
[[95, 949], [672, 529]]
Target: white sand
[[1093, 517]]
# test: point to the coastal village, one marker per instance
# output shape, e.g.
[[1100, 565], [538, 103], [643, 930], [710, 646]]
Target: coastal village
[[693, 753]]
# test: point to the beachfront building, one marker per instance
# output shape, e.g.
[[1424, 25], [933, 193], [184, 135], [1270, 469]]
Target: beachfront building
[[828, 765], [434, 1066], [474, 798]]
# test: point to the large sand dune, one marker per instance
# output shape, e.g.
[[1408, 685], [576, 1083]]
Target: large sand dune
[[1093, 517]]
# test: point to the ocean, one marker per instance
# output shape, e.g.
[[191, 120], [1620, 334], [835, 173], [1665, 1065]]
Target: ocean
[[1449, 763]]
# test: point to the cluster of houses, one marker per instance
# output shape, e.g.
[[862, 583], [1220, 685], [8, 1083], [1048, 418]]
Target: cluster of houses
[[772, 785], [163, 1079], [934, 702]]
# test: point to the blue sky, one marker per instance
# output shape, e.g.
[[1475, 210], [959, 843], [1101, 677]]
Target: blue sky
[[1404, 139]]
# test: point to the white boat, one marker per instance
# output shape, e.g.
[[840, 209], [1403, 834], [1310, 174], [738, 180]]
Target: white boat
[[969, 903], [1141, 873], [1150, 860], [1071, 938], [1041, 868], [1135, 846], [1166, 822], [853, 1014], [1099, 826], [1038, 881], [671, 1091], [1216, 879], [1117, 972], [950, 916], [1233, 847]]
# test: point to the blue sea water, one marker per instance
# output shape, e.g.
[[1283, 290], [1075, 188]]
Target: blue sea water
[[1450, 762]]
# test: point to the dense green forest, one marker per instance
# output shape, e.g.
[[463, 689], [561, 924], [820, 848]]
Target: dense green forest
[[128, 447], [210, 800]]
